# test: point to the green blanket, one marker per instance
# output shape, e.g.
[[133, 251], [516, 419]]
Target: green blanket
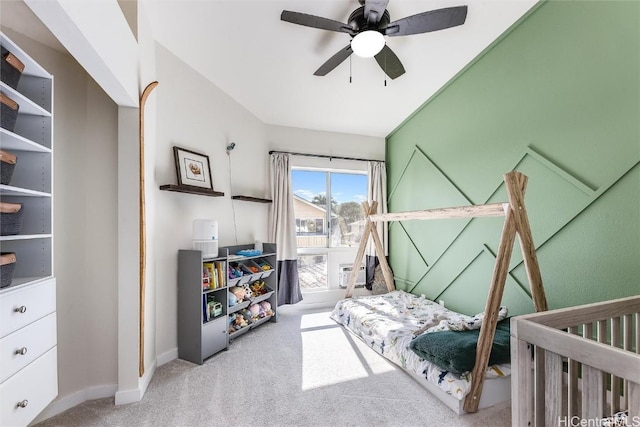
[[455, 351]]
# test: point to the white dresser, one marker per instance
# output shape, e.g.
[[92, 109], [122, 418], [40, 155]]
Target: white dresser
[[28, 352]]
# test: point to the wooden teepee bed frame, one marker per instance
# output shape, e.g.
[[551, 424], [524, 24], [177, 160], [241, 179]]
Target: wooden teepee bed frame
[[516, 222]]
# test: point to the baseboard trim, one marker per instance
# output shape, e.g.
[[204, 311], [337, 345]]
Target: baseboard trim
[[62, 404], [167, 356]]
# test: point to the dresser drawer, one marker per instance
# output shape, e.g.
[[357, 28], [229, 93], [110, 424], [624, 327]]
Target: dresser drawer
[[23, 305], [27, 393], [25, 345]]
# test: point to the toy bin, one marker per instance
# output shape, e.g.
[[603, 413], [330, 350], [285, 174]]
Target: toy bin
[[265, 268], [11, 68], [8, 112], [7, 266], [7, 165], [10, 218]]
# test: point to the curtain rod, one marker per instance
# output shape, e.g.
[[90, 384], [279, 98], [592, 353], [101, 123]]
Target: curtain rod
[[323, 156]]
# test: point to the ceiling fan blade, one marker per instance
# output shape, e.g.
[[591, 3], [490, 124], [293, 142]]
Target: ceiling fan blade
[[334, 61], [389, 62], [425, 22], [315, 22], [373, 10]]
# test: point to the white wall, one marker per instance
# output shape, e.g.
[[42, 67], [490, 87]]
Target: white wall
[[329, 143], [194, 114]]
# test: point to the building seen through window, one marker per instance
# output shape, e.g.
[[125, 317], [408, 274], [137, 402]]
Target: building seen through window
[[329, 214]]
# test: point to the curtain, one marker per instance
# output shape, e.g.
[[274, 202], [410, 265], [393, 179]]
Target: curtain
[[377, 190], [282, 230]]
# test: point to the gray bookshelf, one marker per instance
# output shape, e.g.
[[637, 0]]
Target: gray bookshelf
[[203, 332]]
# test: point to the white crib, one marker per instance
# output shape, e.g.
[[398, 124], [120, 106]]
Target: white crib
[[577, 366]]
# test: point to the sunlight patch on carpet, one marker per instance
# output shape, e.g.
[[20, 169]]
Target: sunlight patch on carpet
[[316, 320], [330, 355]]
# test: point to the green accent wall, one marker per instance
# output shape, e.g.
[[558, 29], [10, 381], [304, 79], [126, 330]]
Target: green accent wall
[[557, 98]]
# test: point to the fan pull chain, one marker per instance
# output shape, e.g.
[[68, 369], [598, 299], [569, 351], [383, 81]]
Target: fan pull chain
[[350, 68], [385, 68]]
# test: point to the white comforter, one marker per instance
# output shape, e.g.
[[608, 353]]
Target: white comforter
[[387, 323]]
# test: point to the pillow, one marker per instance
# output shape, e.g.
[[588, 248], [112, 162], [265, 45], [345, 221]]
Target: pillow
[[453, 321], [455, 351]]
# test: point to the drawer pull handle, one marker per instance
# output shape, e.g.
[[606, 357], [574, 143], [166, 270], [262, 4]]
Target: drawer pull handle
[[21, 309], [22, 351], [23, 404]]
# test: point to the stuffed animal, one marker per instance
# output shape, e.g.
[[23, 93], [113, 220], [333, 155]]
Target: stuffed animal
[[233, 299], [246, 315], [254, 309], [248, 293], [266, 306], [232, 323], [240, 322], [259, 288], [234, 272], [238, 292]]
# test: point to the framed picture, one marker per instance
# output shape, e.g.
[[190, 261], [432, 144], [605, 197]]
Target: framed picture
[[192, 168]]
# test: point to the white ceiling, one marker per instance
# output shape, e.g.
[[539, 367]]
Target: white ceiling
[[267, 65]]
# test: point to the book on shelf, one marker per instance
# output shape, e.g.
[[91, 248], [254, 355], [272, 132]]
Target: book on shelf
[[220, 269], [205, 310], [215, 272]]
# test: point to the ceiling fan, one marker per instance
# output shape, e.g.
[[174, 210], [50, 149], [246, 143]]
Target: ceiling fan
[[367, 26]]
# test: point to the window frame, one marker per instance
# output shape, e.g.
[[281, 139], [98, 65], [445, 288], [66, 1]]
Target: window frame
[[335, 256], [328, 211]]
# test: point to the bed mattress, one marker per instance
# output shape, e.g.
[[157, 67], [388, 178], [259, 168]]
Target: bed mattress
[[387, 323]]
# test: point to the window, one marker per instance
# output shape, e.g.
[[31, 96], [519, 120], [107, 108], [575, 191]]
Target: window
[[329, 217], [327, 207]]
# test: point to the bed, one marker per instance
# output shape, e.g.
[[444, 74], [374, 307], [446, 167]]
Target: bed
[[391, 322], [577, 365], [470, 394]]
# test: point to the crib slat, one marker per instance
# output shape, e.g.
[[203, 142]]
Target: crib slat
[[552, 388], [521, 396], [539, 385], [634, 403], [592, 402], [627, 344], [615, 380], [602, 331], [587, 331], [601, 336], [572, 382], [637, 316]]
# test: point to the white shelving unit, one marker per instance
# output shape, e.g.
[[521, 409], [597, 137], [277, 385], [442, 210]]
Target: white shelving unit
[[28, 337], [32, 181]]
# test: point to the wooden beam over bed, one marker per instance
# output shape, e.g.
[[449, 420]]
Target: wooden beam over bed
[[494, 209], [516, 222]]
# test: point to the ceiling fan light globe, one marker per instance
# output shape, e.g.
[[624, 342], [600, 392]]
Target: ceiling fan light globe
[[367, 43]]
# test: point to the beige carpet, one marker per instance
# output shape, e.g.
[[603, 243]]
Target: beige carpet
[[304, 370]]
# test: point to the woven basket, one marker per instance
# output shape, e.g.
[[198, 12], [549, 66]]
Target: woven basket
[[7, 165], [8, 112], [10, 218], [12, 68], [7, 266]]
